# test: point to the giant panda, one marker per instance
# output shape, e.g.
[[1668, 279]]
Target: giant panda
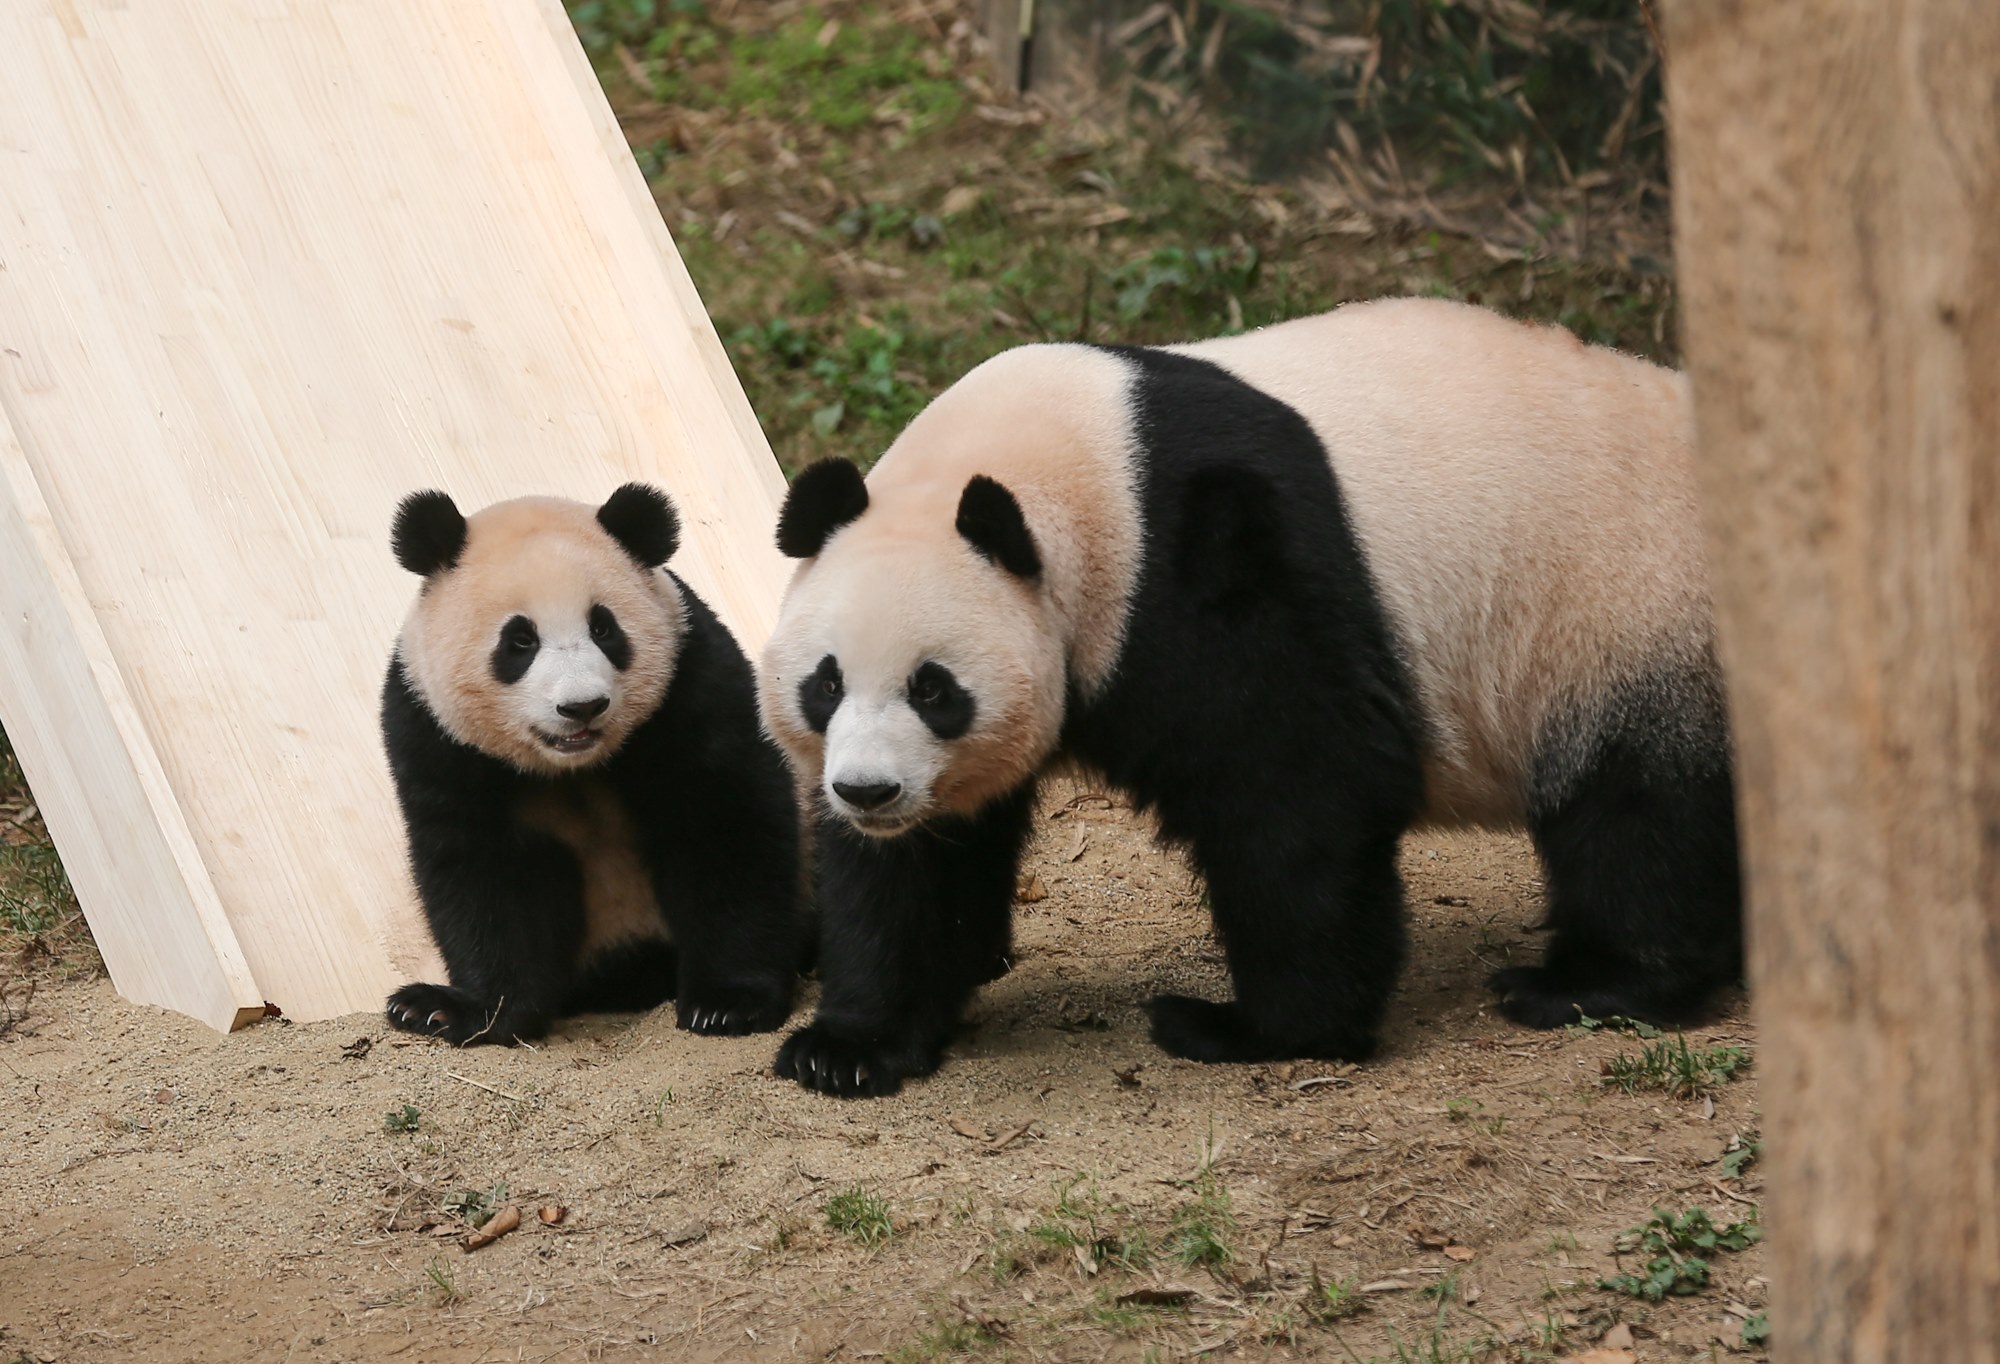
[[596, 821], [1296, 591]]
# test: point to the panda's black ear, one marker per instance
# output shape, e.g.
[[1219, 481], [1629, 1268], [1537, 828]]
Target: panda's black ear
[[428, 534], [822, 499], [643, 521], [990, 519]]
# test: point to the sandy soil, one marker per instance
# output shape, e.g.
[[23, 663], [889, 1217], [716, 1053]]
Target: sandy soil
[[170, 1194]]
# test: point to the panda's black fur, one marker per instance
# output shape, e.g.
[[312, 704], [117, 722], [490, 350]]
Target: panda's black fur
[[1262, 708], [710, 806]]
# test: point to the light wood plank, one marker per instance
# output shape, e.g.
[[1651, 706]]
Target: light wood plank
[[267, 267]]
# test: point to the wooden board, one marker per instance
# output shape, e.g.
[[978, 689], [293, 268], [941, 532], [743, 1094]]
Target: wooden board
[[266, 266], [1837, 186]]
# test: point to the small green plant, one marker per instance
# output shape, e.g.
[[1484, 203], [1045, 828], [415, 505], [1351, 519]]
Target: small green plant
[[475, 1207], [860, 1216], [1742, 1153], [1328, 1302], [1202, 1229], [1202, 279], [1757, 1329], [1675, 1247], [444, 1283], [404, 1119], [35, 894], [1615, 1023], [1468, 1111], [660, 1106], [953, 1338], [1097, 1231], [1673, 1066]]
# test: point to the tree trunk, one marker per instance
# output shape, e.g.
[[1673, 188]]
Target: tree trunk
[[1837, 172]]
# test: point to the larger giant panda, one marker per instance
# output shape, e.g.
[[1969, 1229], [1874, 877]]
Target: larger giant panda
[[1296, 591], [595, 820]]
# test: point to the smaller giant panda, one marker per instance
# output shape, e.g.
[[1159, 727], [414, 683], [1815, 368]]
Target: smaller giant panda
[[1296, 591], [595, 820]]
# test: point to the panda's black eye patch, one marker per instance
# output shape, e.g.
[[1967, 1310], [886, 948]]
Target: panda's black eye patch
[[820, 694], [610, 638], [516, 650], [944, 706]]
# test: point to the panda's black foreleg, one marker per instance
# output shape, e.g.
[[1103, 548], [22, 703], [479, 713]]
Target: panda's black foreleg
[[1312, 928], [726, 874], [506, 913], [909, 928], [1644, 893]]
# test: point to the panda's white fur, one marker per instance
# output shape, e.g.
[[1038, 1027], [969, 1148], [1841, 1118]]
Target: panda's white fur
[[1508, 594], [1527, 507]]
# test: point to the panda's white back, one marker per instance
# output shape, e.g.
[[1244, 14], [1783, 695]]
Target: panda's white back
[[1528, 509]]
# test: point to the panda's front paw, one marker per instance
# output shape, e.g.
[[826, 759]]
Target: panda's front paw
[[733, 1012], [845, 1067], [1204, 1030], [455, 1016]]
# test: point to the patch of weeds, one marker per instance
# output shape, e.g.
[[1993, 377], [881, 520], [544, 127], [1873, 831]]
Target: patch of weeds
[[476, 1207], [35, 894], [444, 1283], [1335, 1301], [869, 72], [1615, 1023], [1445, 1290], [1757, 1329], [1202, 1229], [943, 1342], [660, 1106], [853, 382], [1675, 1246], [1676, 1068], [1742, 1152], [404, 1119], [1563, 1243], [1097, 1232], [1202, 280], [1469, 1111], [860, 1216]]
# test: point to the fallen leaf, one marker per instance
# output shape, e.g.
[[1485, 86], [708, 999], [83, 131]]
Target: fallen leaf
[[1082, 837], [684, 1235], [1316, 1081], [552, 1214], [1158, 1297], [357, 1049], [1385, 1286], [965, 1127], [497, 1226], [164, 1096], [1007, 1138], [1128, 1078], [1084, 1259], [1459, 1253], [1429, 1239], [1618, 1337], [1034, 890]]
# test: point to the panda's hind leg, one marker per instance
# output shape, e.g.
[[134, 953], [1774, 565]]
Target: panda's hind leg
[[1644, 889]]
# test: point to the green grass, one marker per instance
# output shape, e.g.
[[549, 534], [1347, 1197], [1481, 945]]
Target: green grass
[[954, 1339], [1204, 1229], [404, 1119], [444, 1283], [1676, 1068], [476, 1207], [860, 1216], [1676, 1248]]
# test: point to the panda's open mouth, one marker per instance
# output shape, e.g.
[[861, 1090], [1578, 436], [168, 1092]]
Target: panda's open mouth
[[582, 741]]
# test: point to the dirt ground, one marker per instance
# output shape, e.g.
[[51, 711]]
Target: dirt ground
[[171, 1194]]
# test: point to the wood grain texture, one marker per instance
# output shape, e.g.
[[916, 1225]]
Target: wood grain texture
[[1837, 171], [266, 266]]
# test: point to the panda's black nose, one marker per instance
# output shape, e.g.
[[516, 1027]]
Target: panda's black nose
[[872, 796], [584, 710]]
